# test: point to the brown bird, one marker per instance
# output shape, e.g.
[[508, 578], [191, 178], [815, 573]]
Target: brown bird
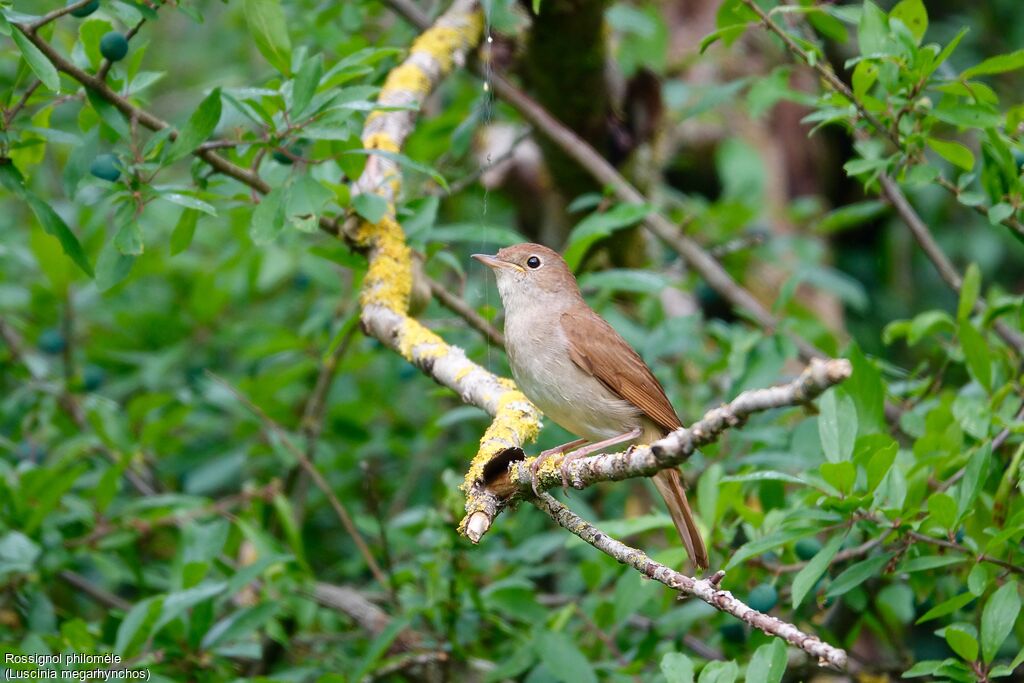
[[581, 373]]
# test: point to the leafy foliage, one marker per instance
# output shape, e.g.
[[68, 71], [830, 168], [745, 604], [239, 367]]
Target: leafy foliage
[[148, 513]]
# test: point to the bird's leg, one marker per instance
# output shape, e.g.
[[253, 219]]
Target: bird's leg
[[544, 455], [594, 448]]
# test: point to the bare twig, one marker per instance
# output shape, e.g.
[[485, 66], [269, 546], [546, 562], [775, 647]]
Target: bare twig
[[707, 590], [829, 76], [459, 306], [95, 593], [11, 113], [361, 610], [964, 550], [930, 247], [221, 507], [890, 188], [346, 520], [313, 414], [56, 14]]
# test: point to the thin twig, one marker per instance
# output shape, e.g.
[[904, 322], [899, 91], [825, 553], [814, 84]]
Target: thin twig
[[943, 265], [56, 14], [221, 507], [11, 113], [829, 76], [980, 557], [94, 592], [343, 516], [459, 306], [313, 414], [707, 590], [890, 188]]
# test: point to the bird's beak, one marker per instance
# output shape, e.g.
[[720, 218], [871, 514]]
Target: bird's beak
[[495, 262]]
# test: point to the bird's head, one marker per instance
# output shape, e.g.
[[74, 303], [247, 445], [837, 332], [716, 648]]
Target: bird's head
[[531, 274]]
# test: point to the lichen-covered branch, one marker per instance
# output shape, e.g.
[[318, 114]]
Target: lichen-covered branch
[[388, 281], [708, 590], [671, 451]]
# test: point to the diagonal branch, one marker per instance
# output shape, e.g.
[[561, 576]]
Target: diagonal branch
[[670, 451], [707, 590], [890, 188]]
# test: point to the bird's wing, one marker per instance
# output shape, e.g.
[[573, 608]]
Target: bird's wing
[[599, 350]]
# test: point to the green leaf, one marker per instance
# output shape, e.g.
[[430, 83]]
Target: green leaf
[[136, 626], [977, 354], [996, 65], [598, 225], [942, 508], [198, 129], [37, 61], [306, 201], [851, 215], [128, 239], [872, 29], [52, 223], [841, 474], [370, 206], [719, 672], [974, 478], [837, 425], [269, 29], [768, 664], [239, 624], [563, 659], [969, 291], [305, 84], [856, 574], [999, 213], [268, 217], [962, 642], [953, 152], [998, 618], [947, 607], [677, 668], [189, 202], [913, 15], [181, 237], [763, 545], [807, 577]]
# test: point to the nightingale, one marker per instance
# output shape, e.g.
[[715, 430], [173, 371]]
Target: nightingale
[[581, 373]]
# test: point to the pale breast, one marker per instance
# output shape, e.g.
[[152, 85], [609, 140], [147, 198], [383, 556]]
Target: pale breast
[[572, 398]]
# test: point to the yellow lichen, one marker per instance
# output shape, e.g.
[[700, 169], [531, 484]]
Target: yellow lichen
[[388, 280], [381, 141], [463, 373], [413, 336], [409, 77], [515, 423]]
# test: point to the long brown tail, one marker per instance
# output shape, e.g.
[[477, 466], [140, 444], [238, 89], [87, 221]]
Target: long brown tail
[[670, 486]]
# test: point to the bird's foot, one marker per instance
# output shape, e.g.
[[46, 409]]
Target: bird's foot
[[535, 466]]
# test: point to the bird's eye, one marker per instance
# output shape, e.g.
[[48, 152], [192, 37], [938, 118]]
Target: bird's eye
[[533, 262]]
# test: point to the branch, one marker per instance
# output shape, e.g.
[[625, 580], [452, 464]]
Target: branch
[[890, 188], [829, 76], [670, 451], [601, 170], [467, 313], [947, 271], [705, 589], [388, 281], [318, 479]]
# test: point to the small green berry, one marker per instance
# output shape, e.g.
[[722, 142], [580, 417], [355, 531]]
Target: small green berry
[[52, 342], [92, 377], [806, 548], [114, 46], [86, 9], [105, 166], [763, 597], [733, 632]]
